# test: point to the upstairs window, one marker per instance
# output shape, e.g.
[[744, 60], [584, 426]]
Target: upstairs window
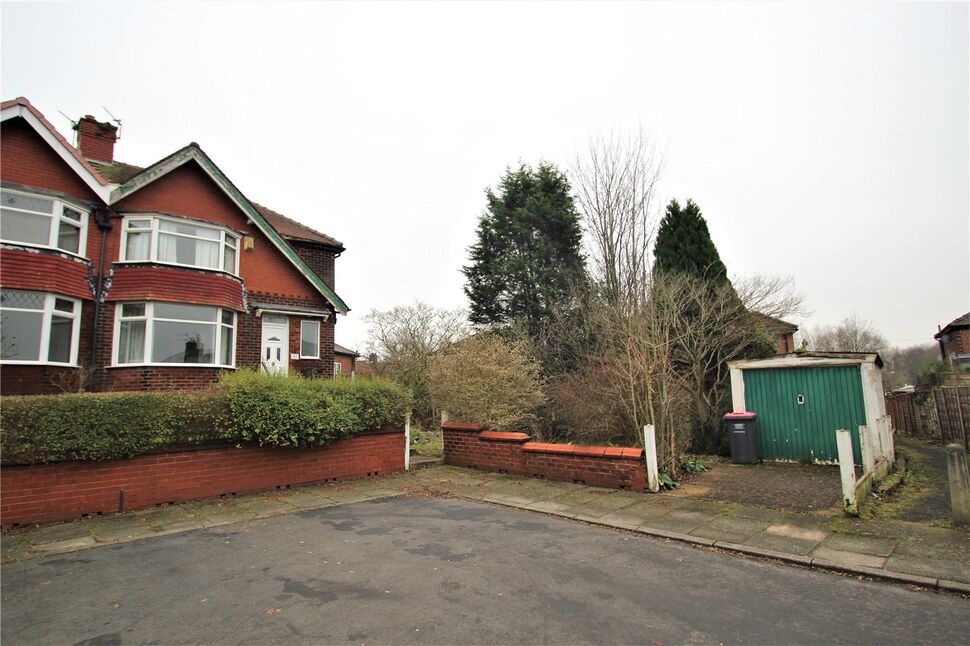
[[175, 242], [38, 328], [42, 222]]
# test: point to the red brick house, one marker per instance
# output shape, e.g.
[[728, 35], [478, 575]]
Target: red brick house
[[115, 277], [782, 332], [344, 360], [954, 340]]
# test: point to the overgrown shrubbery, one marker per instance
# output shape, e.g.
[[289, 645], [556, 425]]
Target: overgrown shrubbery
[[290, 411], [489, 380], [244, 407]]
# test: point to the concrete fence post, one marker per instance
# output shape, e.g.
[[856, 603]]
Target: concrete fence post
[[444, 417], [407, 441], [890, 440], [957, 474], [843, 440], [868, 456], [650, 455]]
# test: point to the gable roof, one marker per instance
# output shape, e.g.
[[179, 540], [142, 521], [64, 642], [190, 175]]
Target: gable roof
[[115, 181], [21, 107], [293, 230], [958, 323], [773, 324], [194, 153], [339, 349]]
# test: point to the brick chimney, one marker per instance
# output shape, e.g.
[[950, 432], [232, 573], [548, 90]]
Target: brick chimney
[[96, 140]]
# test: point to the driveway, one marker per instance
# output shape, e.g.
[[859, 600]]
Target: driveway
[[428, 570]]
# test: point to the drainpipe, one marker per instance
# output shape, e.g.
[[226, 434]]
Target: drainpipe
[[102, 216]]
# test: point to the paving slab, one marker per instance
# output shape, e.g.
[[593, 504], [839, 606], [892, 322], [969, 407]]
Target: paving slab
[[683, 522], [57, 533], [13, 547], [848, 558], [922, 567], [118, 528], [801, 532], [66, 546], [734, 530], [785, 544], [860, 544]]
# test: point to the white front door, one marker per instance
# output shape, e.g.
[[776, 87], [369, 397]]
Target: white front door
[[274, 350]]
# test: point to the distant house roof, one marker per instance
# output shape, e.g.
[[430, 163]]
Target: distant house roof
[[339, 349], [774, 325], [960, 323]]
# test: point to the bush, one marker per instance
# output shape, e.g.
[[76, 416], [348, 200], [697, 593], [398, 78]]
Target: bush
[[56, 428], [244, 407], [281, 410], [488, 380]]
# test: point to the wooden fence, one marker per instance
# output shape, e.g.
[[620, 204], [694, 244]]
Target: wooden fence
[[941, 413]]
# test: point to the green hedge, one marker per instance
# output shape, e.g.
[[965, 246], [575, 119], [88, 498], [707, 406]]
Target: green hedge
[[244, 407]]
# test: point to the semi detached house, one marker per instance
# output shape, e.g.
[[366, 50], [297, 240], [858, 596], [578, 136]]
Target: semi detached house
[[115, 277]]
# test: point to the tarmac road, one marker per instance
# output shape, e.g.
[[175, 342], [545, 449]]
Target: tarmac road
[[427, 570]]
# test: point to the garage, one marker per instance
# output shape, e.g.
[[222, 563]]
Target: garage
[[802, 399]]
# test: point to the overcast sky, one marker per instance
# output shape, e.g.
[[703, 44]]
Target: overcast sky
[[828, 142]]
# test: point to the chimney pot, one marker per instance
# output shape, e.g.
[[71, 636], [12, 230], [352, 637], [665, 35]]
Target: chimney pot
[[95, 139]]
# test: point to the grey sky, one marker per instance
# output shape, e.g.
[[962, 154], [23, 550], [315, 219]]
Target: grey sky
[[829, 142]]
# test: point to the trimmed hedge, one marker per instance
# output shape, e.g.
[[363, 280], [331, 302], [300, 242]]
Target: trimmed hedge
[[244, 407]]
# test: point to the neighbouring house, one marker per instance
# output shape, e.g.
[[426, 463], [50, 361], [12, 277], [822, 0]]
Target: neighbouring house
[[782, 332], [344, 360], [954, 340], [116, 277]]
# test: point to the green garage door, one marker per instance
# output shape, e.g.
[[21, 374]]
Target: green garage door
[[799, 410]]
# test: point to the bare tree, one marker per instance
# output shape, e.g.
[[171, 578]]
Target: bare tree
[[774, 296], [403, 341], [615, 179], [853, 334]]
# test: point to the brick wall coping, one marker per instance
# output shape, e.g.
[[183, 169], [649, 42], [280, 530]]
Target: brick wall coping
[[498, 436], [616, 452], [460, 426]]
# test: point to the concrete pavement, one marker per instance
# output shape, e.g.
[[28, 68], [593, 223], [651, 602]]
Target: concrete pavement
[[930, 557]]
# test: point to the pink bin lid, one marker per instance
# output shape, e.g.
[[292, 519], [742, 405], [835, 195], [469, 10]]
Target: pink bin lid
[[740, 415]]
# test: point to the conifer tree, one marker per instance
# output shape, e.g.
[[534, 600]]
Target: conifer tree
[[684, 245], [528, 250]]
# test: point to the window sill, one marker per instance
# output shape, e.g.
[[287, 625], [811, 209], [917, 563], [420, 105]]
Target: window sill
[[8, 362], [159, 263], [57, 250], [302, 358], [170, 365]]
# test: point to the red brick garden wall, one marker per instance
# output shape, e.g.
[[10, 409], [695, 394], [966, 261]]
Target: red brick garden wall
[[69, 490], [468, 445]]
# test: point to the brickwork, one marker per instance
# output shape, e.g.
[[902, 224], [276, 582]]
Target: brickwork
[[319, 259], [96, 140], [65, 491], [139, 282], [46, 272], [468, 445], [28, 160]]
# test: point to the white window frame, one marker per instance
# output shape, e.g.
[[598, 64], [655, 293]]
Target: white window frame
[[303, 334], [337, 368], [225, 235], [45, 333], [149, 318], [56, 218]]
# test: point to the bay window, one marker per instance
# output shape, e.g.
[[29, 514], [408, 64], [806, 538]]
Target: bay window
[[42, 221], [174, 333], [156, 239], [36, 327]]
